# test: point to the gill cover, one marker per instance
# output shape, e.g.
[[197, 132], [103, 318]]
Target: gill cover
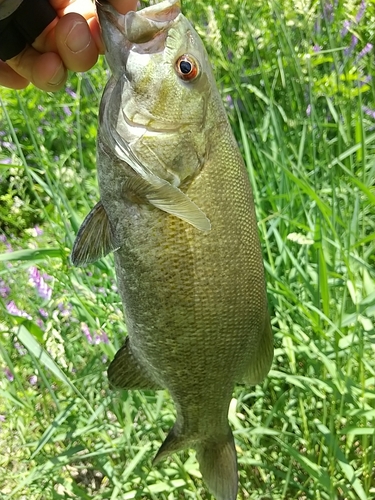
[[120, 32]]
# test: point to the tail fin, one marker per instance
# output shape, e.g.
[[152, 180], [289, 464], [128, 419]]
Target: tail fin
[[218, 466], [217, 461]]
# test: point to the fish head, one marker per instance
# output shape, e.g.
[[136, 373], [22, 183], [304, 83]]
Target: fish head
[[161, 89]]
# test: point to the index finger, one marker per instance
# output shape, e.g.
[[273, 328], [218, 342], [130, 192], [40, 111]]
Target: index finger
[[9, 78]]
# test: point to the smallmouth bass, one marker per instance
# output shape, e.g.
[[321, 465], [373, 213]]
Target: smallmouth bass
[[177, 211]]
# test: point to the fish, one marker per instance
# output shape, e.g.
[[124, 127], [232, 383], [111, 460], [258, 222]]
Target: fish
[[176, 209]]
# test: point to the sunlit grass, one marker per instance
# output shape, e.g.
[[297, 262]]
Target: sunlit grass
[[300, 94]]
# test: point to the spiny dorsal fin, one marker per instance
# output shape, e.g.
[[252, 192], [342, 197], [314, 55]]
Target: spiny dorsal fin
[[94, 239], [169, 199]]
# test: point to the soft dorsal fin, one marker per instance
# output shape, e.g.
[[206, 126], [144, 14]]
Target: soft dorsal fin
[[94, 239]]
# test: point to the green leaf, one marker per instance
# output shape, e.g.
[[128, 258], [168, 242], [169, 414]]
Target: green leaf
[[342, 460], [54, 427], [44, 358], [31, 254]]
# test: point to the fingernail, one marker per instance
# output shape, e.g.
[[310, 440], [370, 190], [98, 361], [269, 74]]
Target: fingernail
[[78, 37], [58, 76]]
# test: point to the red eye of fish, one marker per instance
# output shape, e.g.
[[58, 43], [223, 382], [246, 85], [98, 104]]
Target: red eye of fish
[[187, 68]]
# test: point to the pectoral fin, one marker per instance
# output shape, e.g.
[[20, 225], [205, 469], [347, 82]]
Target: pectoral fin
[[162, 195], [94, 239], [126, 373]]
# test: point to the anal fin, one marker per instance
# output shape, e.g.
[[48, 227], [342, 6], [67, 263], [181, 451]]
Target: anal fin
[[126, 373], [173, 443]]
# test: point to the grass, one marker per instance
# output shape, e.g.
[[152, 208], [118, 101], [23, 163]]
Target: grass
[[300, 94]]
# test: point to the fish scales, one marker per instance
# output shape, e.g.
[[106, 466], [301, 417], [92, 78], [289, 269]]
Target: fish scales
[[173, 305], [177, 210]]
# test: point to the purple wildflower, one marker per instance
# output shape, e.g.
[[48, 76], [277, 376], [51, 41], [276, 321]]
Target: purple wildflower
[[349, 50], [2, 418], [317, 48], [86, 333], [43, 312], [368, 47], [97, 340], [361, 12], [4, 289], [37, 280], [365, 80], [13, 309], [39, 322], [369, 112], [354, 41], [21, 350], [65, 311], [71, 92], [104, 337], [38, 230], [9, 375], [3, 238], [33, 379], [8, 145], [67, 110], [6, 161], [229, 100], [328, 9], [345, 28]]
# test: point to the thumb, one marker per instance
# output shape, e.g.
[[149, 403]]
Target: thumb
[[75, 43]]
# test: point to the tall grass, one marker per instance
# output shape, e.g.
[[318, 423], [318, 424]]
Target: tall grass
[[298, 82]]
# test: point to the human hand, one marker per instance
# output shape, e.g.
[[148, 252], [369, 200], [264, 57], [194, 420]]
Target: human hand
[[71, 41]]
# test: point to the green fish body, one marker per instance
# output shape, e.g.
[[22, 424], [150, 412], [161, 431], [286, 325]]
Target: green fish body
[[177, 210]]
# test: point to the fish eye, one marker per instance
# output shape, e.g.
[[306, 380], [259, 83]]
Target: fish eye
[[187, 68]]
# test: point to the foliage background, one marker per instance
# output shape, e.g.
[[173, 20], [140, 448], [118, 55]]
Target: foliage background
[[298, 82]]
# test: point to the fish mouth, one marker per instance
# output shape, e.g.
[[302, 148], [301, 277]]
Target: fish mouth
[[146, 29]]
